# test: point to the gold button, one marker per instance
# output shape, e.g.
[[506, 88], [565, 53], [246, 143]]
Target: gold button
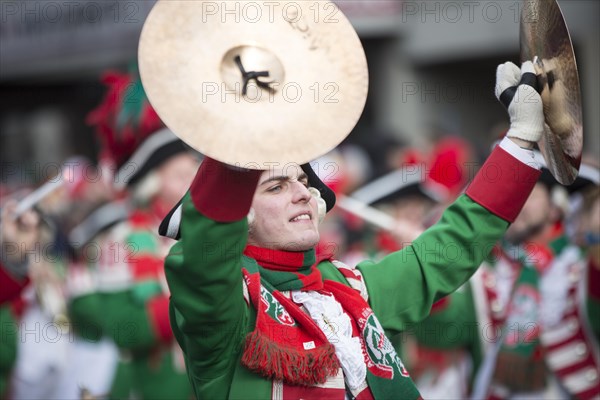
[[591, 375], [580, 349], [574, 275], [496, 306], [570, 303], [573, 325]]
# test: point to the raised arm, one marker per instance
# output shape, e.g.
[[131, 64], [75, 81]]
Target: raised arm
[[208, 312], [404, 285]]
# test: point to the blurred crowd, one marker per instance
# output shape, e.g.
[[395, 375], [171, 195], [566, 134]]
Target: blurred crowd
[[84, 301]]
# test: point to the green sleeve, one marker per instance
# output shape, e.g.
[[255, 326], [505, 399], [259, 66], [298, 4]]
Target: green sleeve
[[208, 311], [127, 322], [455, 326], [405, 284], [123, 315], [118, 315], [85, 315]]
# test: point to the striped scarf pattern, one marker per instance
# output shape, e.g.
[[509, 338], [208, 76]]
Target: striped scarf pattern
[[287, 344]]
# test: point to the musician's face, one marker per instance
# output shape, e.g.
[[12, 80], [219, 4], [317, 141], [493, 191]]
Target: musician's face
[[176, 175], [285, 213]]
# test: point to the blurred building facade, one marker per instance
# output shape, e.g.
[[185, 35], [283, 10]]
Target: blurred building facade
[[432, 70]]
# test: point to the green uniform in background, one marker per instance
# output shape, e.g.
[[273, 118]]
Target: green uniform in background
[[130, 305]]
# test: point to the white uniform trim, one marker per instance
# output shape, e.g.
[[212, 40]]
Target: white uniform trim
[[277, 390], [357, 282], [581, 380], [525, 156], [388, 184], [565, 330], [330, 317], [588, 172], [150, 145], [567, 355], [174, 222]]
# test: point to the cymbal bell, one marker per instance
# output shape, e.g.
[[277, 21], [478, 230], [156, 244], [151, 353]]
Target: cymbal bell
[[251, 83], [545, 40]]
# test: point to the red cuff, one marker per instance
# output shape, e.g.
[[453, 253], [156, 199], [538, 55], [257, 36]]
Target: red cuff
[[503, 184], [158, 308], [9, 287], [223, 193]]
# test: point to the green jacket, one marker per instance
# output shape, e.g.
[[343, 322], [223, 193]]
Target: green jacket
[[211, 319]]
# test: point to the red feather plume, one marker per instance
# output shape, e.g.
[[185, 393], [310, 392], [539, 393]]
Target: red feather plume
[[124, 118]]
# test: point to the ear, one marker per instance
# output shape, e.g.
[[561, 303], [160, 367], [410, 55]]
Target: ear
[[314, 181], [251, 216], [321, 204]]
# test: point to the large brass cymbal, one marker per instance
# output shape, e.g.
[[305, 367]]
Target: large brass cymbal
[[254, 83], [545, 38]]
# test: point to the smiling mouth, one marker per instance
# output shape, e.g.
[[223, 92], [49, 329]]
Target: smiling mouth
[[301, 217]]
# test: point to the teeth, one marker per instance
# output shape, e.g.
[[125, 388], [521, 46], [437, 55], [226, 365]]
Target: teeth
[[299, 217]]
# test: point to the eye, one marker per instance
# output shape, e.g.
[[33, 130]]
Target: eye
[[275, 189], [304, 182]]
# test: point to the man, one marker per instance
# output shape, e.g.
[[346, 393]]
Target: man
[[513, 312], [451, 340], [126, 298], [257, 316], [534, 292]]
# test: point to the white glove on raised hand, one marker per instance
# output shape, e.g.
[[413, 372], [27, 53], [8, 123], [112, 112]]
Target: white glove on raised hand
[[525, 109]]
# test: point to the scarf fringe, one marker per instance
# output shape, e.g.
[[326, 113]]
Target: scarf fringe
[[308, 368]]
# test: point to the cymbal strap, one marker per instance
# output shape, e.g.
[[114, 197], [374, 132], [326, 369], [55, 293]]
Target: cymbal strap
[[528, 78], [248, 76]]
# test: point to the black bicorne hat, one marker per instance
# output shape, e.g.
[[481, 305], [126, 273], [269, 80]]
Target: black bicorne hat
[[101, 219], [394, 185], [156, 149]]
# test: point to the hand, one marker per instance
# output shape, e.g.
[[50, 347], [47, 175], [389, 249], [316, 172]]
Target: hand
[[18, 235], [525, 109]]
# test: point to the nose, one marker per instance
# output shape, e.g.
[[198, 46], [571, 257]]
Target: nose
[[300, 193]]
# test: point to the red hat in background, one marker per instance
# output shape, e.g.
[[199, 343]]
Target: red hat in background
[[403, 181], [449, 169], [133, 137], [125, 117], [441, 177]]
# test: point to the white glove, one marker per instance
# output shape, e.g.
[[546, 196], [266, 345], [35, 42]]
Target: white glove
[[525, 110]]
